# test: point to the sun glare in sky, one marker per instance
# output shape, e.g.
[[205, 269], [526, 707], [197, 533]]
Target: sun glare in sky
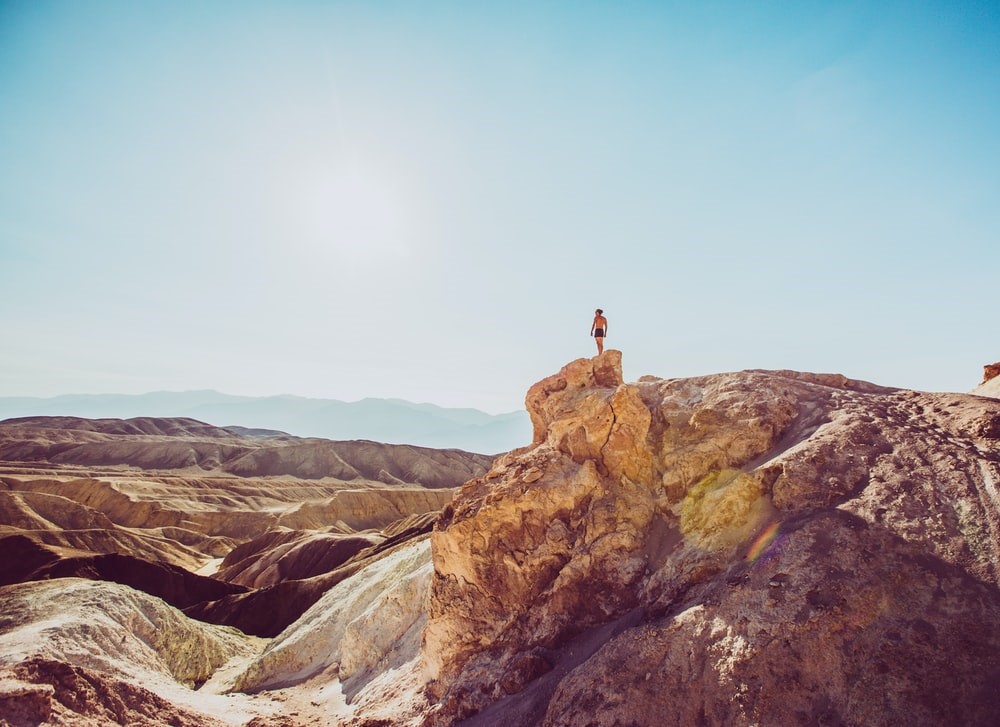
[[352, 214], [429, 200]]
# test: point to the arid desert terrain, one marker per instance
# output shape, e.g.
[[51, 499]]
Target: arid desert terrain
[[747, 548]]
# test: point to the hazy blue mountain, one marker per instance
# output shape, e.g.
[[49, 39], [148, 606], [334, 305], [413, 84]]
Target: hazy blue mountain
[[393, 421]]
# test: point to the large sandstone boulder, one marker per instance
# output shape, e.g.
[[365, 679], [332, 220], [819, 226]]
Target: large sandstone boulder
[[748, 548]]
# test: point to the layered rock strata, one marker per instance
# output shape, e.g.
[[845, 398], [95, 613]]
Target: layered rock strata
[[367, 623], [201, 516], [187, 444], [762, 547], [270, 610]]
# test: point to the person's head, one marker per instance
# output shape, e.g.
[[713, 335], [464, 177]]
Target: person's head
[[599, 312]]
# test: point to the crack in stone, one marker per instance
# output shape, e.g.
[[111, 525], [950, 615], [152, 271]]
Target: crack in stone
[[611, 429]]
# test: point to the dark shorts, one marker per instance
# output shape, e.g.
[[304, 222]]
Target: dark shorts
[[598, 333]]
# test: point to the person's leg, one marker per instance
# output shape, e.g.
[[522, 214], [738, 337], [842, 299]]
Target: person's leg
[[600, 345]]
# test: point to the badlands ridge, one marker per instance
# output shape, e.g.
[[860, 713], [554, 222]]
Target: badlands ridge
[[751, 548]]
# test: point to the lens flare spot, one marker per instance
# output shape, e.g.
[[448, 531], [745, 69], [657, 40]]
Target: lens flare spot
[[763, 541], [723, 510]]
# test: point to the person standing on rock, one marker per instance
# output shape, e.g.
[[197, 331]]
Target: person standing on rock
[[599, 329]]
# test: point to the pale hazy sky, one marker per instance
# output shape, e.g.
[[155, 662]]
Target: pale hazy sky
[[428, 200]]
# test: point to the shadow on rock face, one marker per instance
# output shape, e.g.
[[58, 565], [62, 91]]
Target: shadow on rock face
[[761, 542]]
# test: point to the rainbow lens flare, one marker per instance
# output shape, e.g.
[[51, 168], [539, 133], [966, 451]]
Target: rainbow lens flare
[[763, 541]]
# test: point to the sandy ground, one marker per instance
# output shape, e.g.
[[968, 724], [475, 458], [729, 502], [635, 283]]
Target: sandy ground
[[210, 568], [394, 696]]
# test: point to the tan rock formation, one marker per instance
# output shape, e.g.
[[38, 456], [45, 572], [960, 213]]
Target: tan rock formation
[[41, 691], [32, 508], [743, 548], [991, 371]]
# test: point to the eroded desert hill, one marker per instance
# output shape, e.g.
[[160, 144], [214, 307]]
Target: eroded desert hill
[[174, 507], [193, 446], [750, 548]]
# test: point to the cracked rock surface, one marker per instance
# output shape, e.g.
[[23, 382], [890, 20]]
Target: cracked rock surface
[[760, 547]]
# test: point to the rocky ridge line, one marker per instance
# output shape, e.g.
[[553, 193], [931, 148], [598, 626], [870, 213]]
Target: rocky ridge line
[[187, 444]]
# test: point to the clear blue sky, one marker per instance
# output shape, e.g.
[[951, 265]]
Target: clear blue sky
[[428, 200]]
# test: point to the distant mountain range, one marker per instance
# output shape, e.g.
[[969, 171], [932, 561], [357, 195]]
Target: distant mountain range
[[393, 421]]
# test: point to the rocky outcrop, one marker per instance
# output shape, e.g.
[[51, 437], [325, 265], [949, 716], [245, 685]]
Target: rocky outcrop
[[762, 547], [842, 624], [991, 382]]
